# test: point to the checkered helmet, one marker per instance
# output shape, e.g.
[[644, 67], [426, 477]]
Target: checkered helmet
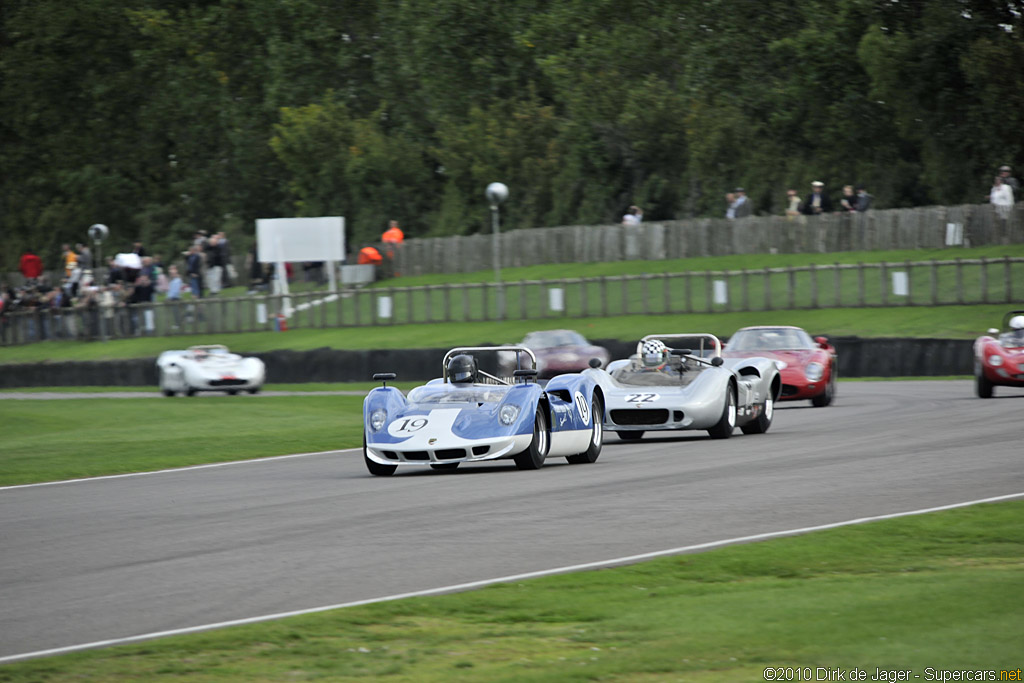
[[653, 353]]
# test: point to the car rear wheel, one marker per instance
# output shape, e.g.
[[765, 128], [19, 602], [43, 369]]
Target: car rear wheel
[[596, 435], [630, 436], [764, 419], [232, 392], [254, 390], [533, 457], [444, 466], [375, 468], [168, 392], [723, 428], [190, 392], [982, 385], [825, 398]]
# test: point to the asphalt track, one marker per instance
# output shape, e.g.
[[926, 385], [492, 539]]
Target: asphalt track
[[113, 558]]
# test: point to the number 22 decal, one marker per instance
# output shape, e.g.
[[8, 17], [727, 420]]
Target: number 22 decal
[[641, 398]]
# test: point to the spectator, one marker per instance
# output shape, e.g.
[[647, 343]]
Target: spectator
[[634, 216], [730, 205], [1004, 173], [792, 204], [849, 199], [230, 275], [84, 256], [214, 264], [817, 201], [69, 258], [393, 235], [369, 256], [194, 269], [141, 293], [115, 273], [1001, 197], [137, 248], [863, 199], [174, 286], [741, 206], [31, 267]]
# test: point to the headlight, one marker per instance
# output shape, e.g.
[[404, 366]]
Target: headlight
[[995, 360], [814, 371], [508, 414], [378, 418], [781, 364]]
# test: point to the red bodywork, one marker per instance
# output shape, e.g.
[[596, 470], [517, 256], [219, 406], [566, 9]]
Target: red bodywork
[[796, 386], [999, 358], [560, 351]]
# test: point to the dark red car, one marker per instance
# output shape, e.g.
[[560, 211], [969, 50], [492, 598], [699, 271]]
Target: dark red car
[[557, 351], [807, 366], [999, 356]]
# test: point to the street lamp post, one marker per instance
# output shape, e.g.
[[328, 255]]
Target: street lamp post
[[496, 194]]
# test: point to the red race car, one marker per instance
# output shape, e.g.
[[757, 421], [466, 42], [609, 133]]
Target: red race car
[[557, 351], [808, 366], [999, 356]]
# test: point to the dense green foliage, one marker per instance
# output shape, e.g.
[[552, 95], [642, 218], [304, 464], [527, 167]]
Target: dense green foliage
[[158, 117]]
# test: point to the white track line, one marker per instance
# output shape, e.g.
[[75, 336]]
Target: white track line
[[503, 579], [176, 469]]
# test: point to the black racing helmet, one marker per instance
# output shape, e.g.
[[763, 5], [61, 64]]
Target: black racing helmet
[[462, 369]]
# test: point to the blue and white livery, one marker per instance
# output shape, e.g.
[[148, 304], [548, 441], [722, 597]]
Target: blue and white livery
[[468, 415]]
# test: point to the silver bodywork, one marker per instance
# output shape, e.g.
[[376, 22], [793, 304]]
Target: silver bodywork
[[692, 392], [208, 368]]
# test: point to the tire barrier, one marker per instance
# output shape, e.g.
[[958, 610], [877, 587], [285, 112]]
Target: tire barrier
[[858, 357]]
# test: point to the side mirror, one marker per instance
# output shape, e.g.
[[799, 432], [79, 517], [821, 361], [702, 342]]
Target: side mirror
[[716, 361], [595, 363], [525, 375], [822, 341]]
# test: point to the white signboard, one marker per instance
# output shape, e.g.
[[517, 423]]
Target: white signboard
[[300, 239], [384, 307], [954, 234], [721, 292], [556, 299], [900, 283]]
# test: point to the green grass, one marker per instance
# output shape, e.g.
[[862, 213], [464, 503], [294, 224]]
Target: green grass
[[119, 435], [926, 591], [943, 322]]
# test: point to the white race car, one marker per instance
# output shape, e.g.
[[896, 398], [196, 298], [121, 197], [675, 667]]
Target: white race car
[[687, 387], [208, 368]]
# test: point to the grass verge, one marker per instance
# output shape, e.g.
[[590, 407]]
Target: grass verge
[[931, 592], [73, 438]]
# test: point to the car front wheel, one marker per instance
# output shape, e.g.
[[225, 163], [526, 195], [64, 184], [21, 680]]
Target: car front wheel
[[596, 435], [533, 457], [375, 468], [723, 428], [982, 385], [825, 398]]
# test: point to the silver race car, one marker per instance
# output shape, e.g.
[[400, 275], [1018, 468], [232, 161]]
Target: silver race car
[[686, 384], [208, 368]]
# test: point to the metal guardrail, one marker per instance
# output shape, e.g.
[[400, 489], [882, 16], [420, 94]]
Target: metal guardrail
[[861, 285]]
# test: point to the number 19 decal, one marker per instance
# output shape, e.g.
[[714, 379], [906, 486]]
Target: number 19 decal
[[407, 426], [583, 408]]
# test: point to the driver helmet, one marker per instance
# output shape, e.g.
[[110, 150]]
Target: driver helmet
[[654, 353], [462, 369], [1017, 325]]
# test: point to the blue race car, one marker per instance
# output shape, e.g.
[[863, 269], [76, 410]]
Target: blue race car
[[468, 415]]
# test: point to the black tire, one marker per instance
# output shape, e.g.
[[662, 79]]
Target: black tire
[[825, 398], [445, 466], [168, 393], [764, 419], [982, 385], [233, 392], [533, 457], [254, 390], [190, 392], [727, 423], [596, 435], [630, 436], [375, 468]]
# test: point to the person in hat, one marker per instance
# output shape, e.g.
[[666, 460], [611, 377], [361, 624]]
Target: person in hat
[[740, 205], [1005, 172], [817, 201]]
